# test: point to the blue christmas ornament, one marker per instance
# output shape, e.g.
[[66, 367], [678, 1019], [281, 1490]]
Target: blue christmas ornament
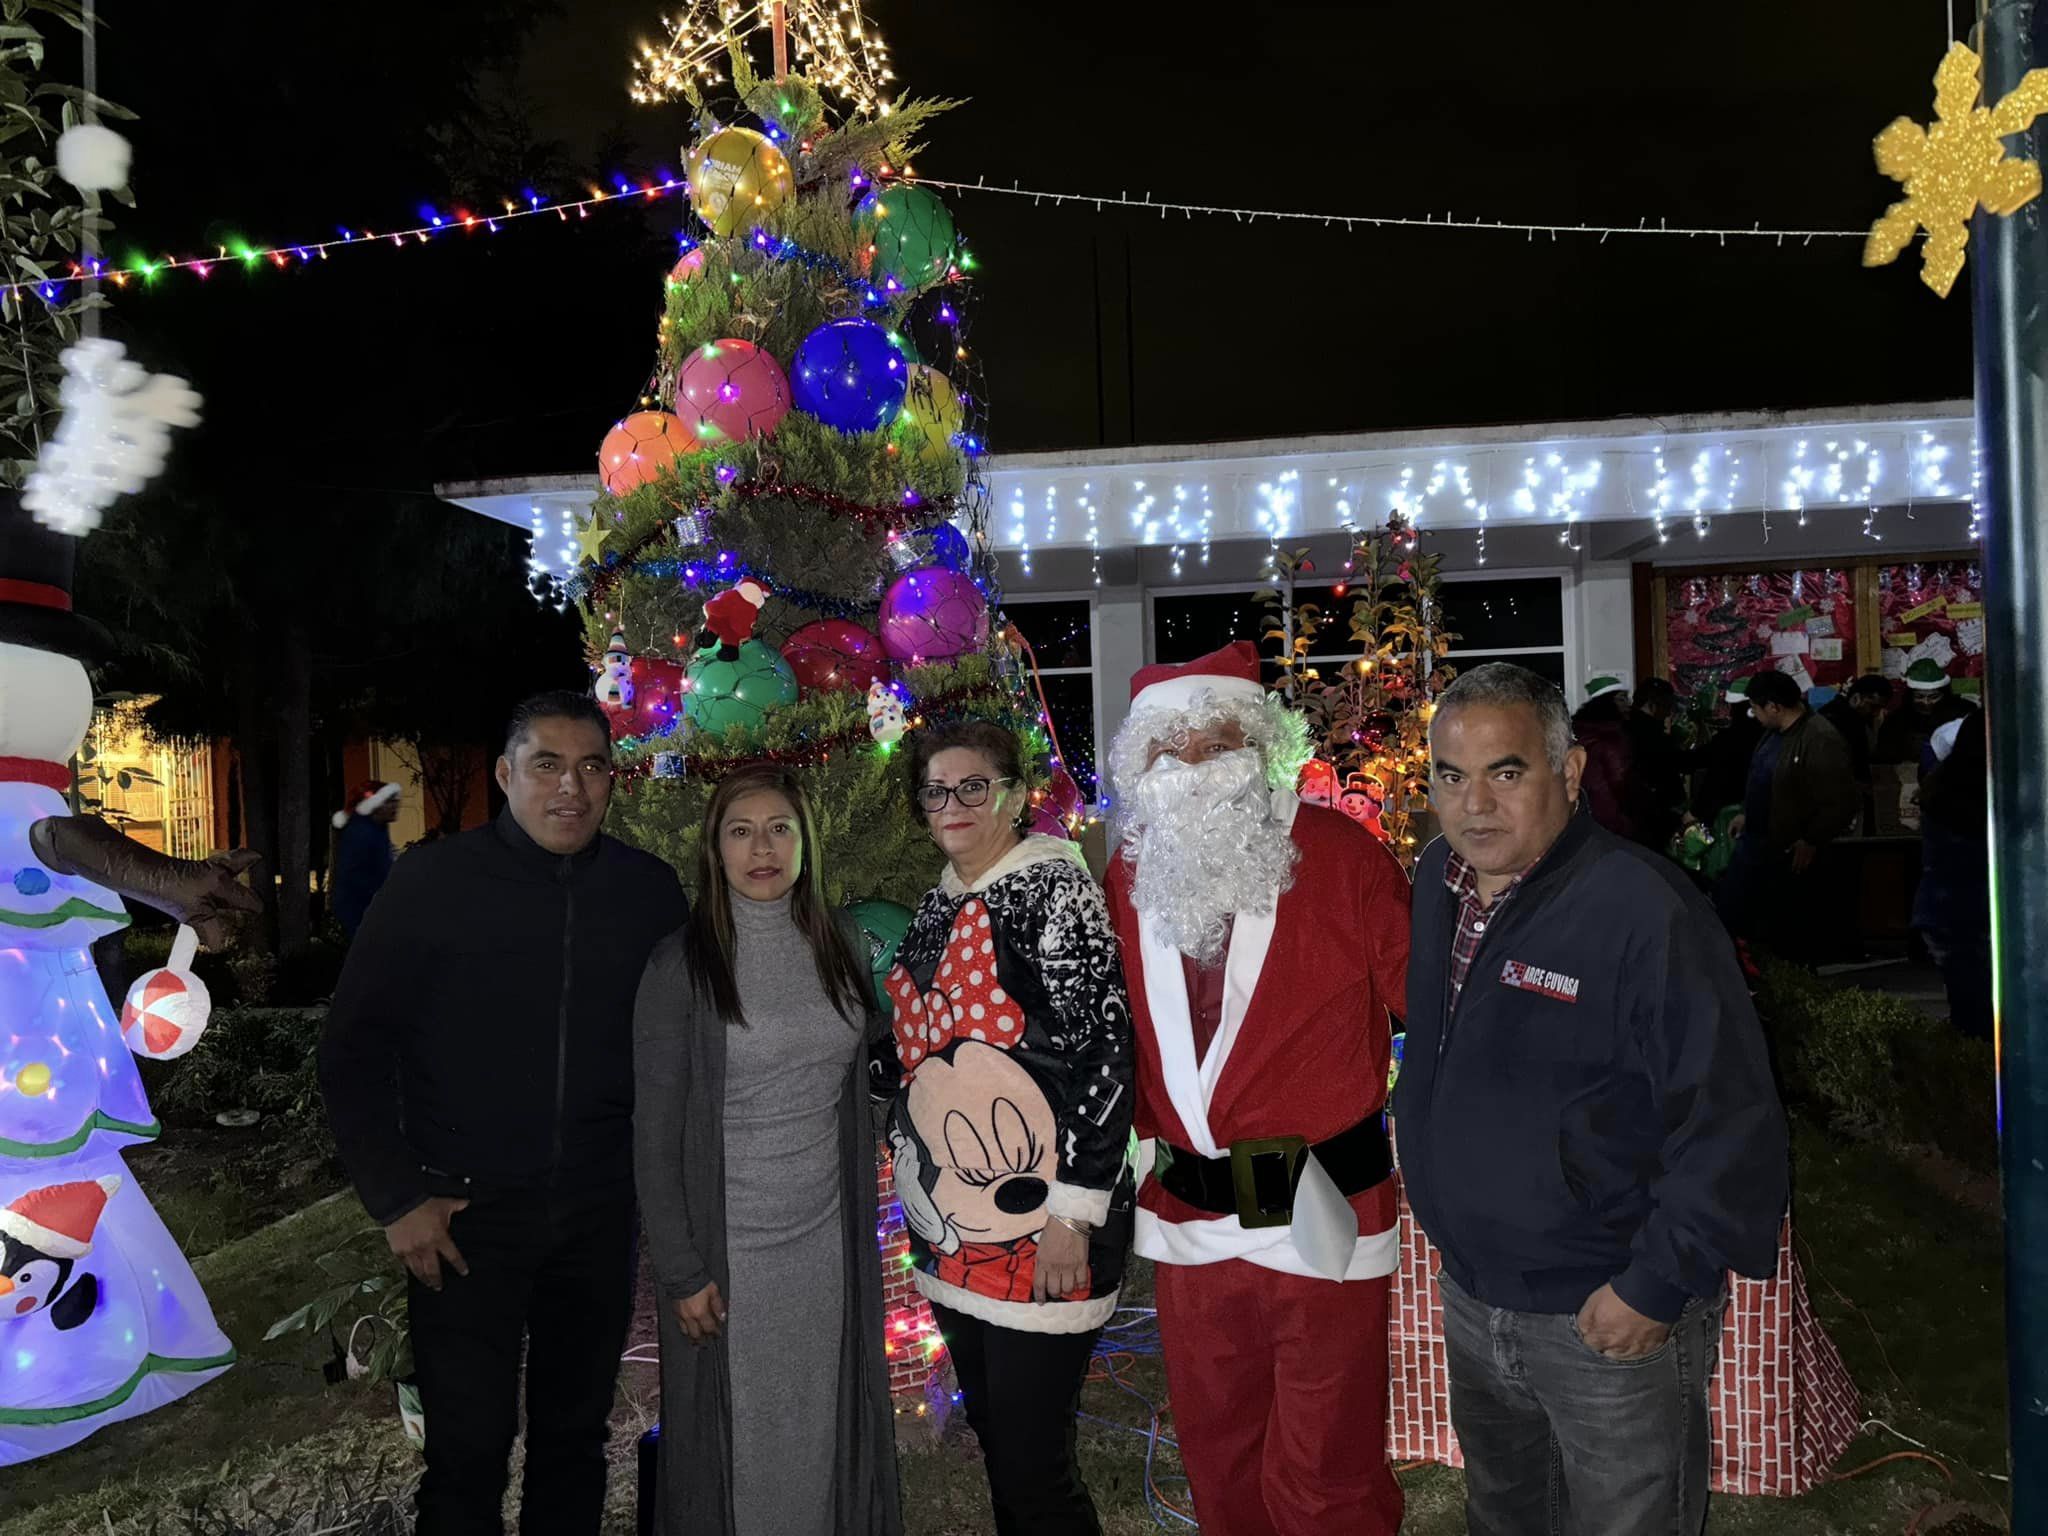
[[849, 375]]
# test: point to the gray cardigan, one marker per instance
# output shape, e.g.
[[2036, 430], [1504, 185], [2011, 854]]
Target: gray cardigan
[[679, 1158]]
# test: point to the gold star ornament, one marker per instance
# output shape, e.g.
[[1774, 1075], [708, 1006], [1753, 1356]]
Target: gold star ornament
[[590, 538], [1953, 166]]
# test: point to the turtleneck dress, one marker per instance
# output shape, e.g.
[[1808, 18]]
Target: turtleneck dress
[[786, 1074]]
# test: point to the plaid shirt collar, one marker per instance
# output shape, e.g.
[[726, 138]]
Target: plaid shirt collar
[[1463, 881]]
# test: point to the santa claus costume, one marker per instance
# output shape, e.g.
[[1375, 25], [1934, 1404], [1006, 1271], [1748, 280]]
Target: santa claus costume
[[1266, 943]]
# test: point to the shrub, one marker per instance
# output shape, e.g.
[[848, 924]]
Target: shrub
[[1880, 1067], [249, 1058]]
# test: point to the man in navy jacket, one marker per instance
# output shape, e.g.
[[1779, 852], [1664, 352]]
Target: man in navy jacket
[[1588, 1130]]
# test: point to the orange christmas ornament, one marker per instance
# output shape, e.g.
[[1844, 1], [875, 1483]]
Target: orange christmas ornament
[[641, 447]]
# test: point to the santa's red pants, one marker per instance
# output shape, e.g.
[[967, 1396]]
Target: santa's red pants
[[1279, 1390]]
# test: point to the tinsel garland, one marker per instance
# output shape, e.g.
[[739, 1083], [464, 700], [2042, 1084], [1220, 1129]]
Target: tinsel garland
[[804, 755], [880, 519]]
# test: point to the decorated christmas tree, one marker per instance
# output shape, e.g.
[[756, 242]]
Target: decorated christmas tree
[[787, 557], [1369, 719]]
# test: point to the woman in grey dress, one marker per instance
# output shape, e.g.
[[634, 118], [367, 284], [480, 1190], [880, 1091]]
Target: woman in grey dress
[[756, 1165]]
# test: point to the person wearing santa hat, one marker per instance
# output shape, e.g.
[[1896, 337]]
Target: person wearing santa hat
[[1266, 945], [362, 851]]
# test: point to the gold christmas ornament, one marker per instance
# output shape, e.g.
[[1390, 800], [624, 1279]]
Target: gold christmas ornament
[[1948, 169], [736, 175]]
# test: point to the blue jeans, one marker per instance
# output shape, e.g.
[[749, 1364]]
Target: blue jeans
[[1562, 1441]]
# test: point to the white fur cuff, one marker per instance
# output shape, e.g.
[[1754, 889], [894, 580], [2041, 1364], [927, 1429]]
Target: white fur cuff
[[1078, 1204]]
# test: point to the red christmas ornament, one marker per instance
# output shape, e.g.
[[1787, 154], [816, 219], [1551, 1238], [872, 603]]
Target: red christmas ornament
[[657, 700], [835, 655]]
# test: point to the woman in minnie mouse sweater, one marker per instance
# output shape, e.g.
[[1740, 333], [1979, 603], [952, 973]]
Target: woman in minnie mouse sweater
[[1012, 1126]]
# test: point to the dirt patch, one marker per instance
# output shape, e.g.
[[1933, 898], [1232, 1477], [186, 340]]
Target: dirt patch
[[1960, 1182]]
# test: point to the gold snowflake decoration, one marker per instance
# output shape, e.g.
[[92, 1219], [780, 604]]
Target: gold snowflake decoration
[[831, 43], [1952, 167]]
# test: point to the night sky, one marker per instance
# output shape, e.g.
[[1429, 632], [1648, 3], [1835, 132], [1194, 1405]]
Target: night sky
[[384, 370]]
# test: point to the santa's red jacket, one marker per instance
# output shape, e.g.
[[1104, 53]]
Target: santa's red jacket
[[1304, 1042]]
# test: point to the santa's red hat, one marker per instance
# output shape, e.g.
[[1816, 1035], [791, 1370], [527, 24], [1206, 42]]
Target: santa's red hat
[[58, 1219], [371, 796], [1231, 673]]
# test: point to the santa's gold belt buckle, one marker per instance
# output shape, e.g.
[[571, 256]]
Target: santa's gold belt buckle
[[1244, 1183]]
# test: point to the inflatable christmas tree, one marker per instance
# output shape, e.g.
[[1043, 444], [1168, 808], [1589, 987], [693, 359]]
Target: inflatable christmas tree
[[786, 559]]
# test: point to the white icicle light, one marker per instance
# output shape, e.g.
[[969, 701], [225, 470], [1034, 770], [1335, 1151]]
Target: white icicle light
[[114, 436]]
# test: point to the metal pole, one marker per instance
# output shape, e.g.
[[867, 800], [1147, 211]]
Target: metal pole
[[2009, 279]]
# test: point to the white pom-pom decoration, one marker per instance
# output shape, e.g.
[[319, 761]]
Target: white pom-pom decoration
[[114, 436], [93, 158], [167, 1009]]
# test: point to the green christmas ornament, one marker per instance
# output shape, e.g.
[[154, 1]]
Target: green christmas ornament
[[723, 694], [882, 925], [904, 236]]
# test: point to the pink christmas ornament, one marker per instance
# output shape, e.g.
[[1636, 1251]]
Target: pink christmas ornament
[[728, 391], [932, 614]]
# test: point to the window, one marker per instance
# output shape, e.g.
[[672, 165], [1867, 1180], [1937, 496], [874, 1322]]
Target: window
[[1518, 619], [1507, 618], [1191, 624], [1060, 636]]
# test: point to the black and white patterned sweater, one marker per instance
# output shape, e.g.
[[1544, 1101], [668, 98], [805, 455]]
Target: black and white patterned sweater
[[1013, 1035]]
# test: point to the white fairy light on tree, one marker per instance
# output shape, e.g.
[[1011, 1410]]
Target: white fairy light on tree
[[835, 46]]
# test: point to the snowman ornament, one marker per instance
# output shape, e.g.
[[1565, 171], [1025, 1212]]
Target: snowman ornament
[[615, 682], [886, 722]]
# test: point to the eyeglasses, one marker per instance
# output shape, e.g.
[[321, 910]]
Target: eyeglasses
[[969, 792]]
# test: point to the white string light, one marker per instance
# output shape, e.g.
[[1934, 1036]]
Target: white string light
[[1353, 221]]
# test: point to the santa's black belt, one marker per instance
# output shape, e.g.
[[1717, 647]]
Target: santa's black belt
[[1255, 1180]]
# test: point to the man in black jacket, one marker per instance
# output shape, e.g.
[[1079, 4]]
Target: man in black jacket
[[1588, 1130], [478, 1070]]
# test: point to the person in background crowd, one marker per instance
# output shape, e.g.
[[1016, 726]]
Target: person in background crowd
[[1589, 1131], [1799, 799], [1723, 776], [1931, 702], [1952, 907], [756, 1163], [1269, 944], [1614, 786], [1012, 1127], [1855, 715], [477, 1065], [362, 851], [1661, 761]]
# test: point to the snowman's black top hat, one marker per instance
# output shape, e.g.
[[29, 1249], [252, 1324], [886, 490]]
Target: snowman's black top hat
[[35, 588]]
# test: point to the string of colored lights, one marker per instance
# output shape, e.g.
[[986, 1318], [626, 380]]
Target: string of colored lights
[[144, 269], [1353, 221], [534, 205]]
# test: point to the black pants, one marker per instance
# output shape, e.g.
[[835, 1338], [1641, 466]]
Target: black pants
[[1021, 1392], [554, 1271]]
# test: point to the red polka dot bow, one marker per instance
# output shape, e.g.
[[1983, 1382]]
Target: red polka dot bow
[[964, 1002]]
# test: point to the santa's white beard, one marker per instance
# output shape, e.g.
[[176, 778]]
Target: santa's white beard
[[1206, 848]]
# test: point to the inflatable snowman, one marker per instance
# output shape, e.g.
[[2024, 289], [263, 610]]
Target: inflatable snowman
[[101, 1317]]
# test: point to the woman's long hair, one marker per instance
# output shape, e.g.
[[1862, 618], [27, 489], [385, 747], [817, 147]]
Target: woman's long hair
[[708, 940]]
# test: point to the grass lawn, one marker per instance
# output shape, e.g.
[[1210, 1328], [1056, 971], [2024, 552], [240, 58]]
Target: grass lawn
[[1906, 1279]]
